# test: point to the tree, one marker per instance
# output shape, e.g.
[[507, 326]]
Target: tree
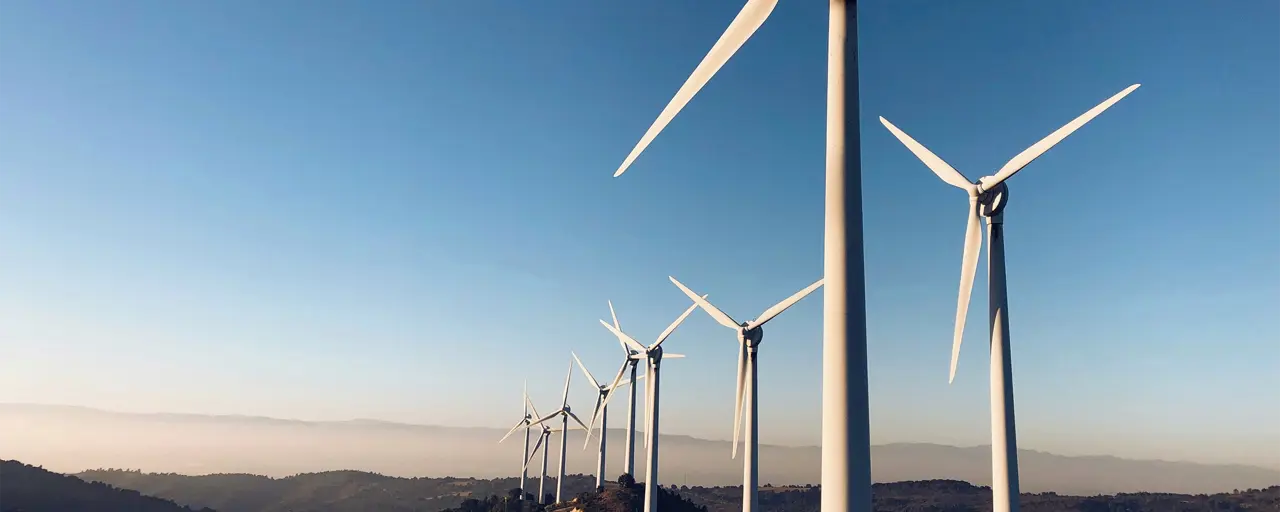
[[627, 481], [514, 493], [548, 499]]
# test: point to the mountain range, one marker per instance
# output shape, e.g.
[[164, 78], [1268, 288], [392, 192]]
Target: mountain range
[[71, 439]]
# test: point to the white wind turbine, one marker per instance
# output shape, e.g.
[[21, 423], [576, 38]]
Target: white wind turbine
[[600, 409], [653, 355], [988, 198], [846, 435], [525, 422], [629, 445], [750, 334], [564, 412], [544, 439]]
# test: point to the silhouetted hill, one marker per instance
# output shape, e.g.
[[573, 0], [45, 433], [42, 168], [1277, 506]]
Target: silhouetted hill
[[26, 488], [331, 491], [343, 491]]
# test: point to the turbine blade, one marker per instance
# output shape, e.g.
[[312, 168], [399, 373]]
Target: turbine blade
[[599, 400], [737, 403], [672, 328], [635, 345], [575, 418], [567, 377], [673, 356], [584, 371], [1033, 152], [937, 165], [529, 403], [968, 267], [545, 418], [619, 328], [534, 451], [743, 26], [782, 306], [512, 431], [719, 316]]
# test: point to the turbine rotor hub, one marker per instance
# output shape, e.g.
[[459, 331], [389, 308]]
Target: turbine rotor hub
[[753, 336], [991, 202]]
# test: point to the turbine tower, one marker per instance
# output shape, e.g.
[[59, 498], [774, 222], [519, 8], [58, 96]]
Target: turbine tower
[[653, 355], [565, 412], [988, 198], [525, 422], [846, 434], [629, 453], [750, 334], [602, 391]]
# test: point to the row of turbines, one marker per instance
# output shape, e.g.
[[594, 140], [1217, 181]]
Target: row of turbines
[[749, 335], [846, 453]]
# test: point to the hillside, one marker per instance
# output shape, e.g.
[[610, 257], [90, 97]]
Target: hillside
[[331, 491], [26, 488], [351, 491], [69, 439]]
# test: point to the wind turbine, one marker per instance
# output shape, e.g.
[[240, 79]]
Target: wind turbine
[[544, 438], [602, 391], [750, 334], [564, 412], [525, 422], [653, 355], [988, 198], [629, 455], [846, 434]]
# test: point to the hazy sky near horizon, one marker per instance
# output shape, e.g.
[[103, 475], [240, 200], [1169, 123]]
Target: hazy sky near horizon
[[335, 209]]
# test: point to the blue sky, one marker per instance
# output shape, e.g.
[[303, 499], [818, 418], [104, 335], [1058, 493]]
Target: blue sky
[[401, 211]]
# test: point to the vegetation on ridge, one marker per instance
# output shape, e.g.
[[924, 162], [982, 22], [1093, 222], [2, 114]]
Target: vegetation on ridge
[[354, 491]]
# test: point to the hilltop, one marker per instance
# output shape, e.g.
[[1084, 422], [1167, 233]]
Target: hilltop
[[25, 488]]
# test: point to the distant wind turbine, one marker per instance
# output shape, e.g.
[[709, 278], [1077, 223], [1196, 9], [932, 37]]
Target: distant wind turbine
[[750, 334], [526, 421], [653, 355], [564, 412], [629, 453], [602, 391], [544, 439], [988, 198]]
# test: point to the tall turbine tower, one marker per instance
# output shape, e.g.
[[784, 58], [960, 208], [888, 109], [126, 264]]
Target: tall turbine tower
[[601, 411], [750, 334], [565, 412], [629, 446], [653, 355], [846, 435], [988, 198], [525, 422]]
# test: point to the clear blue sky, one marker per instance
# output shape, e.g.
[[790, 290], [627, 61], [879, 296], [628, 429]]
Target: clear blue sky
[[334, 209]]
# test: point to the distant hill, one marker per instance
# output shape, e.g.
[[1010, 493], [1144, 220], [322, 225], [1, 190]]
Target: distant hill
[[26, 488], [70, 439], [331, 491]]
